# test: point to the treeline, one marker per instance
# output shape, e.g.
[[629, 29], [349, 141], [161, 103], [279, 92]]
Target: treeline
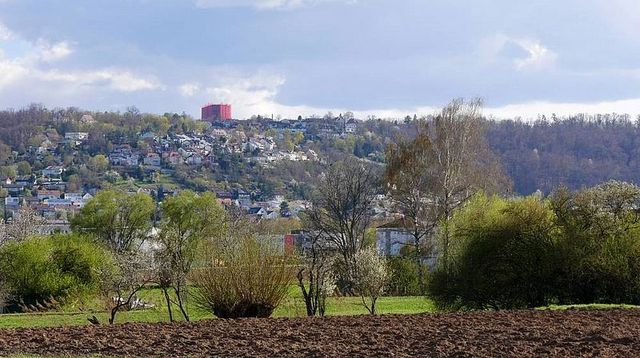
[[575, 152]]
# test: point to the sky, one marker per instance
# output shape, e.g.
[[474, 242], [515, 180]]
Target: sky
[[388, 58]]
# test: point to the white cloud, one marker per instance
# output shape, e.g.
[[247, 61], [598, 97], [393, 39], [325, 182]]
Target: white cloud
[[5, 33], [30, 69], [539, 56], [189, 89], [10, 72], [253, 94], [114, 79], [256, 94], [16, 71], [266, 4], [536, 55], [53, 52], [531, 110]]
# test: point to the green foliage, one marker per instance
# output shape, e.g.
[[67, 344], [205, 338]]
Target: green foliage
[[502, 256], [117, 219], [23, 168], [8, 171], [403, 279], [599, 244], [189, 220], [575, 248], [57, 267]]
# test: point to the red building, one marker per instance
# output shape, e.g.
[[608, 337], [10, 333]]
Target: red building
[[216, 112]]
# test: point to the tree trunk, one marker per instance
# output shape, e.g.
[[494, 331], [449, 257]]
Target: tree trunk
[[168, 299], [418, 259], [114, 311], [181, 305]]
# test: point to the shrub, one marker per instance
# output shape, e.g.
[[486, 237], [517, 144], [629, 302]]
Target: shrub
[[55, 267], [403, 276], [245, 277], [370, 277], [599, 244], [503, 256]]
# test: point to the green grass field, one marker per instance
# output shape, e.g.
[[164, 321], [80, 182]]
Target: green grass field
[[293, 306]]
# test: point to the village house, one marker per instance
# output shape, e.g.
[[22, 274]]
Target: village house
[[124, 156], [351, 126], [392, 237], [53, 172], [152, 159], [44, 194], [76, 136]]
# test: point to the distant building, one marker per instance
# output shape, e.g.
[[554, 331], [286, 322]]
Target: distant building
[[216, 112], [77, 136], [351, 126], [392, 237]]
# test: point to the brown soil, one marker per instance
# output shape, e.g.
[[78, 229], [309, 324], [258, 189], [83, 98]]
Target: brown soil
[[612, 333]]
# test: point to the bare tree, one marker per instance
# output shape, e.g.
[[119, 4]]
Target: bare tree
[[121, 282], [408, 179], [341, 213], [315, 276], [448, 161], [24, 224], [371, 276]]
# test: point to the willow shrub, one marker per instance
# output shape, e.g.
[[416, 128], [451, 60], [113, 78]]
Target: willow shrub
[[58, 267], [502, 256], [244, 277]]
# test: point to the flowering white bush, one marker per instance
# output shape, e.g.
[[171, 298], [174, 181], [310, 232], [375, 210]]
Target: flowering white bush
[[371, 276]]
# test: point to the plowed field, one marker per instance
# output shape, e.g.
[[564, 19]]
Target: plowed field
[[611, 333]]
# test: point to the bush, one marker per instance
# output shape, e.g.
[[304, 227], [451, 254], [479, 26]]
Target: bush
[[371, 277], [599, 244], [245, 277], [39, 270], [403, 279], [503, 256]]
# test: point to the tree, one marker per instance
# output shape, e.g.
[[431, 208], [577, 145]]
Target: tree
[[119, 220], [24, 168], [371, 276], [5, 153], [284, 209], [122, 223], [98, 163], [341, 213], [430, 176], [408, 176], [121, 282], [24, 224], [8, 171], [598, 243], [315, 276], [188, 220]]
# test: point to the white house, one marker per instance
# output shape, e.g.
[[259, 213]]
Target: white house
[[351, 126], [392, 237], [76, 136]]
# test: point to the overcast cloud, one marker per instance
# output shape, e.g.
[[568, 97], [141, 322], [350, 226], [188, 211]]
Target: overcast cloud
[[291, 57]]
